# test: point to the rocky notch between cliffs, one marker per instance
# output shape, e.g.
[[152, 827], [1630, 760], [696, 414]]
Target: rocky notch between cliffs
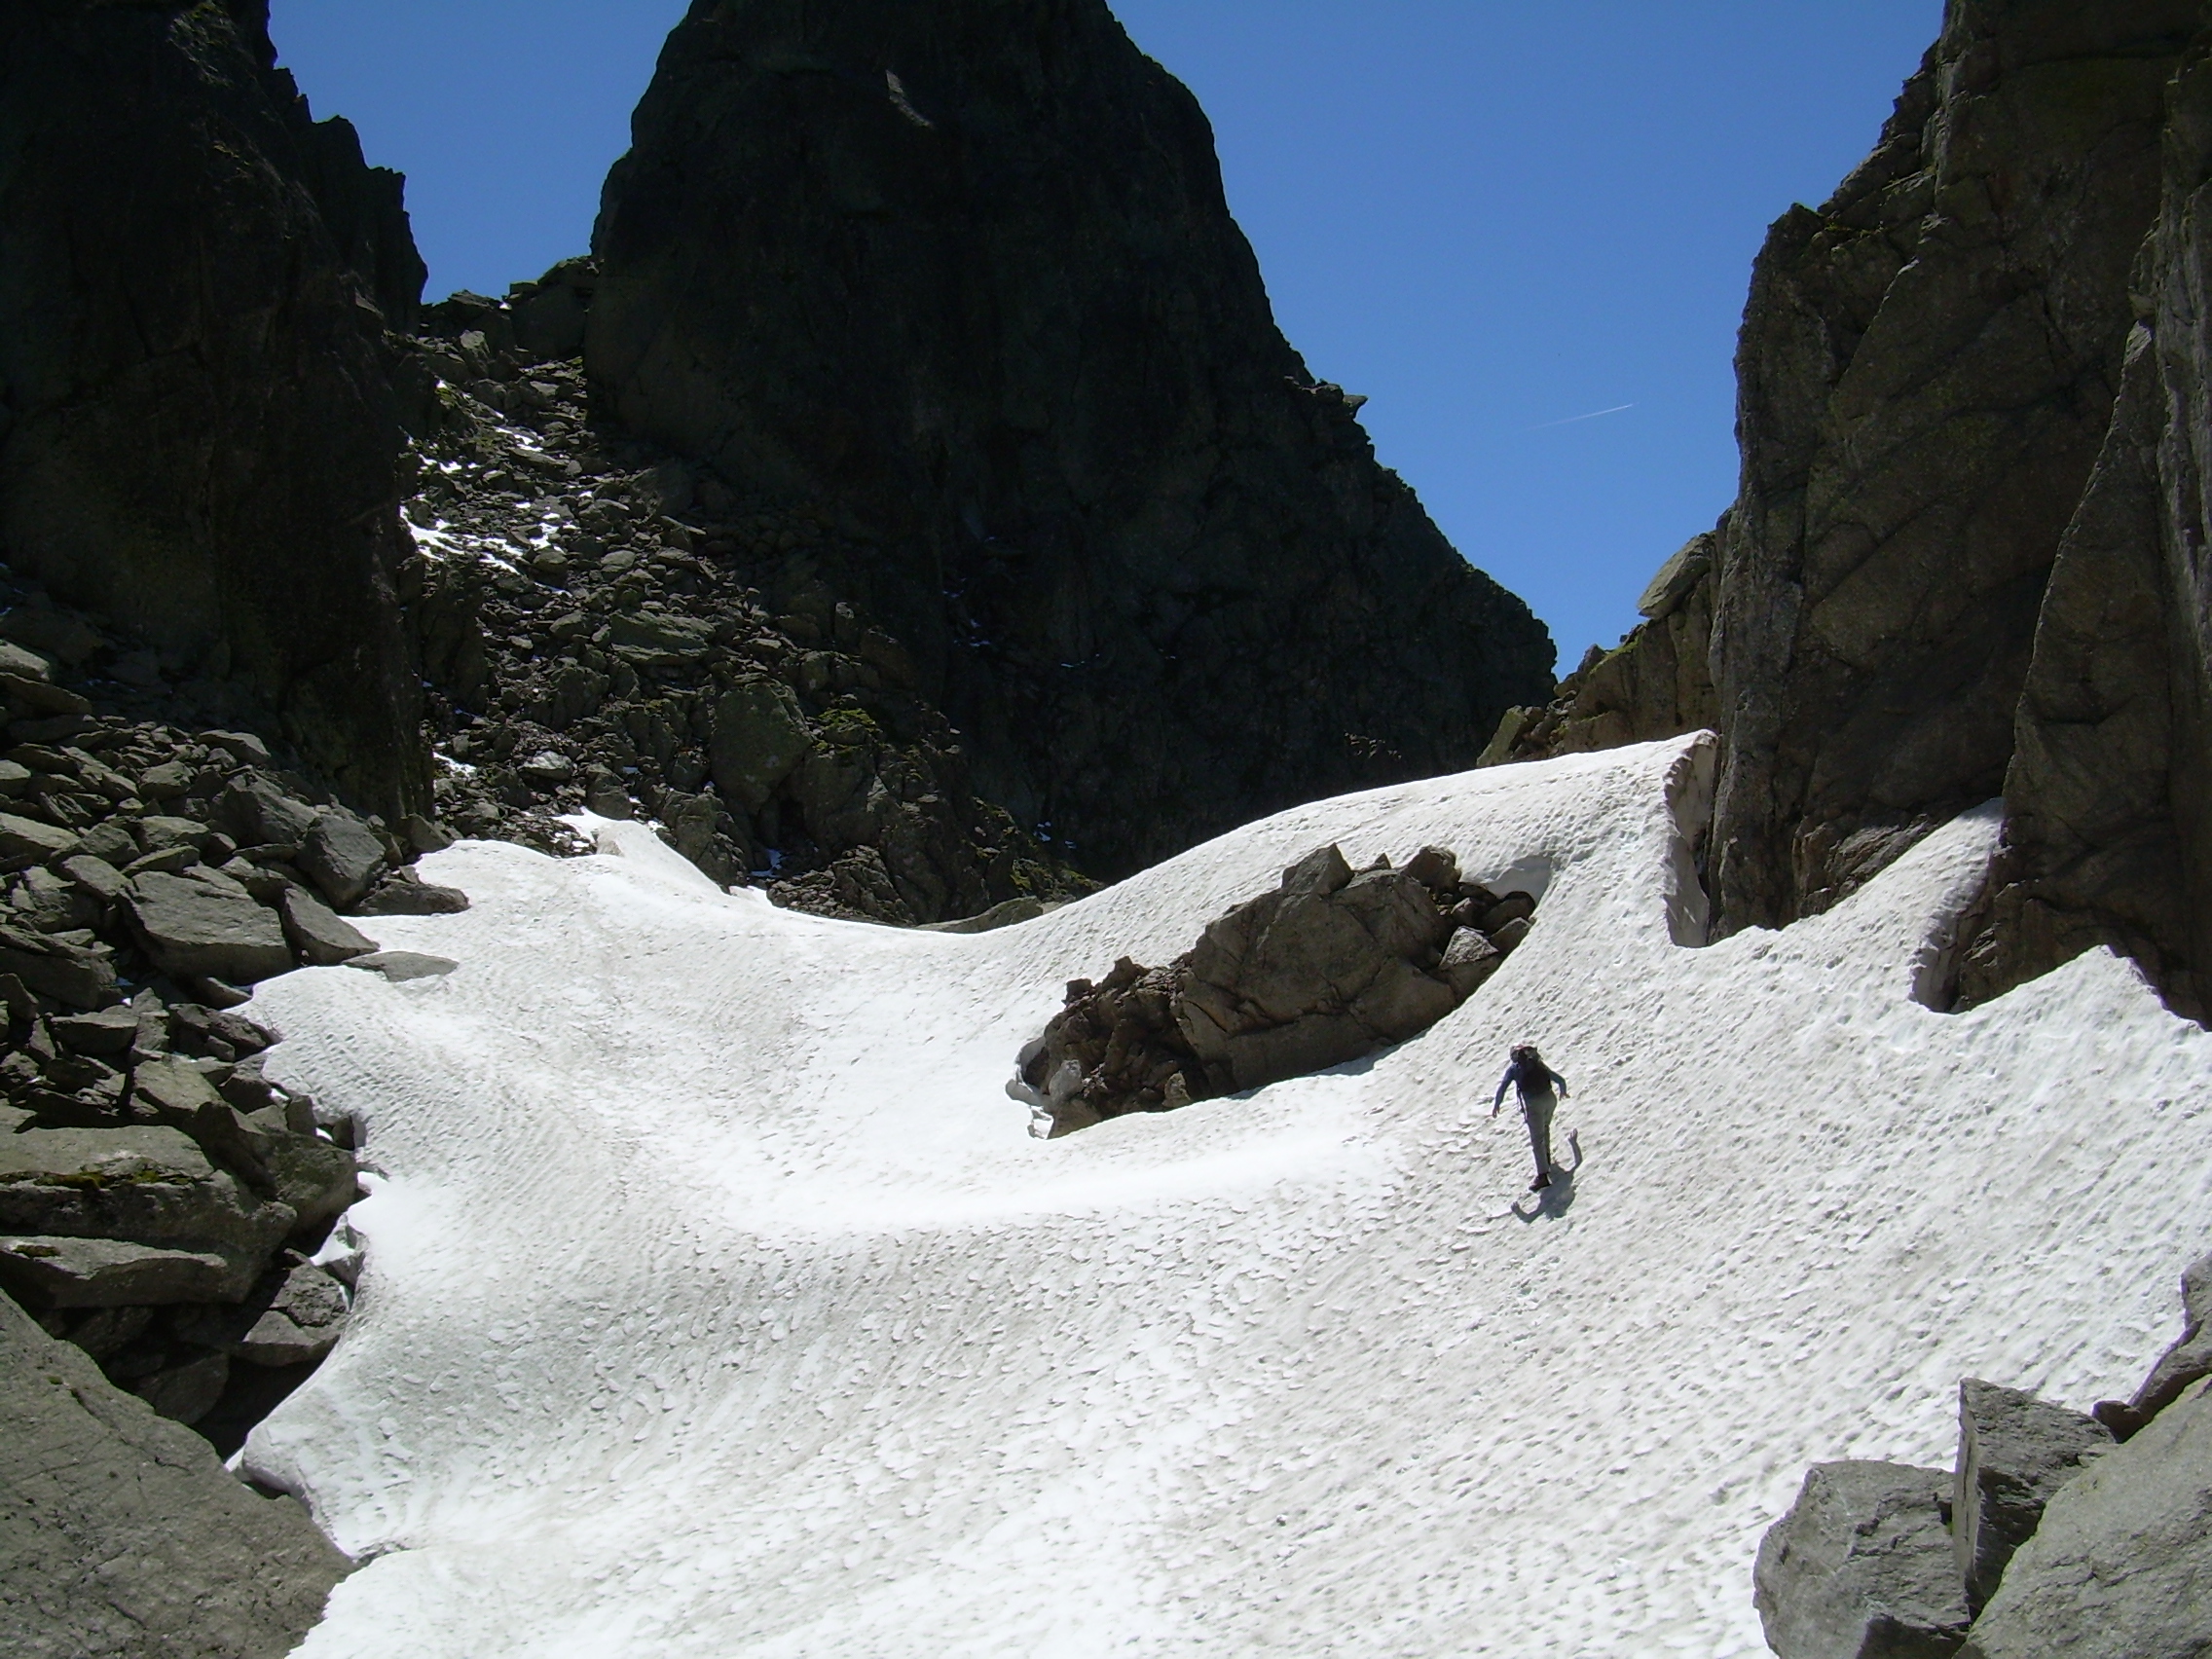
[[603, 625]]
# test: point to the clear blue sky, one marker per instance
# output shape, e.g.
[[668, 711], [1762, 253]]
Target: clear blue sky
[[1491, 216]]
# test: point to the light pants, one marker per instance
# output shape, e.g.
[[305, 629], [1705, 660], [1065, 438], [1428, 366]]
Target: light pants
[[1537, 1109]]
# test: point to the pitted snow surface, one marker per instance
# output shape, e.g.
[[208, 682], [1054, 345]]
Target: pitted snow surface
[[718, 1301]]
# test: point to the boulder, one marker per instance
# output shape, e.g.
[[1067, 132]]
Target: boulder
[[56, 1272], [1861, 1567], [401, 966], [294, 1316], [403, 893], [342, 855], [2183, 1363], [2015, 1452], [152, 1185], [319, 935], [178, 1095], [190, 928], [187, 1390], [2119, 1565], [1469, 958], [124, 1534], [104, 1031], [78, 975], [93, 876], [314, 1178], [25, 841], [255, 813]]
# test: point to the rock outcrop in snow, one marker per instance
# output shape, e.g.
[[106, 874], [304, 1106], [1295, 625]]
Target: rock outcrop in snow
[[1330, 967]]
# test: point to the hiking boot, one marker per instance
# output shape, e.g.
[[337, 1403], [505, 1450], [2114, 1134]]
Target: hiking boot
[[1539, 1182]]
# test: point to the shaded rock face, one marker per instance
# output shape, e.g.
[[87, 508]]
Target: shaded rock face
[[125, 1536], [1967, 555], [1861, 1567], [2110, 838], [960, 278], [196, 436], [1332, 966], [2119, 1567], [1927, 370]]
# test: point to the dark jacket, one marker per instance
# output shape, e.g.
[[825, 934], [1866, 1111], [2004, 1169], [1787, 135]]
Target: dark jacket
[[1528, 1076]]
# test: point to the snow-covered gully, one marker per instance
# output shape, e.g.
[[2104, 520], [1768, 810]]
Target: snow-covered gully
[[720, 1303]]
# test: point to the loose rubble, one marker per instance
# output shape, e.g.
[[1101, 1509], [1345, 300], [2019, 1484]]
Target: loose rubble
[[602, 626], [161, 1197], [1330, 967]]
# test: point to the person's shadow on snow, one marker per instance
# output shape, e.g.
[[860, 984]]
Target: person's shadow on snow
[[1556, 1200]]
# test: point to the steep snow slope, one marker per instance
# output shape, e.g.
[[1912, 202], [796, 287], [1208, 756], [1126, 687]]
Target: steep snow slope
[[719, 1304]]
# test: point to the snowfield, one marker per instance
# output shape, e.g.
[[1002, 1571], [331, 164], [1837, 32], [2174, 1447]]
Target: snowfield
[[717, 1301]]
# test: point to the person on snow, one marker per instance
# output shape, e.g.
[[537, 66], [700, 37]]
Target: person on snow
[[1534, 1081]]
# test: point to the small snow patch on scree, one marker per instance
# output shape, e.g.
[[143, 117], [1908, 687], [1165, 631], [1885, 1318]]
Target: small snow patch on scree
[[717, 1302]]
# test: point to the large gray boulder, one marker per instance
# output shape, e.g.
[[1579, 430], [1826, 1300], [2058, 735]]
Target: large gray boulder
[[123, 1536], [2121, 1566], [2015, 1452], [294, 1316], [322, 937], [342, 855], [759, 739], [1861, 1567], [1331, 967], [189, 927], [150, 1185], [109, 1273], [71, 973]]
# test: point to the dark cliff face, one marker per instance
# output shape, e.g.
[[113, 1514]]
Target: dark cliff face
[[1927, 368], [198, 438], [960, 275], [2108, 825], [1968, 557]]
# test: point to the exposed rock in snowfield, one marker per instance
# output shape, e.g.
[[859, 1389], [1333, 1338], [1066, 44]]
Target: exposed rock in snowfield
[[1330, 967], [2014, 1452], [2119, 1567], [1861, 1567]]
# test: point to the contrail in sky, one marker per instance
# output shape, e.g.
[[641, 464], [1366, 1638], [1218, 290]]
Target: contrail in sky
[[1592, 416]]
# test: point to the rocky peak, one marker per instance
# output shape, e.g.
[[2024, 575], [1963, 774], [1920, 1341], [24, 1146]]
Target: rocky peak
[[962, 277]]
